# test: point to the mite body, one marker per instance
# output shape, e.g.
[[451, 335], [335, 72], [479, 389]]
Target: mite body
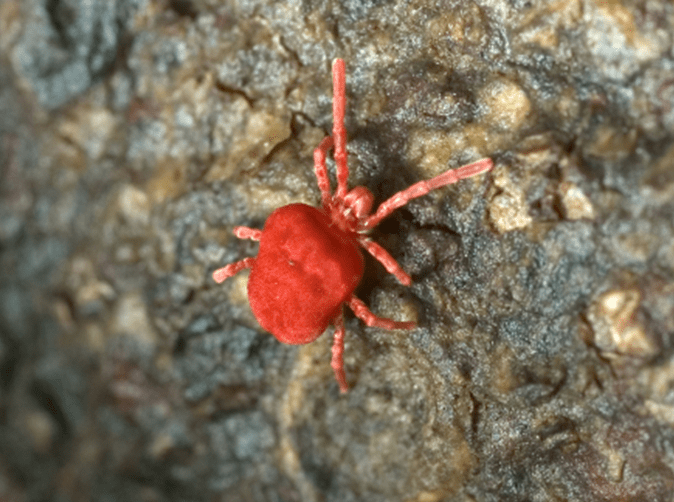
[[310, 262]]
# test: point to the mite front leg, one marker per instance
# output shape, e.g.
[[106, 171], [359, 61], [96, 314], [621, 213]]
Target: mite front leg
[[225, 272], [337, 361], [383, 257], [364, 313], [338, 129], [321, 170], [423, 187]]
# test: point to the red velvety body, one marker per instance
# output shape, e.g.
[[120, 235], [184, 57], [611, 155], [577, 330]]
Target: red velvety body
[[305, 270]]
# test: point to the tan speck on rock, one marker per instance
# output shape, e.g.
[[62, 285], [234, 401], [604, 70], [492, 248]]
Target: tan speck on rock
[[575, 203], [130, 318], [507, 105], [508, 210], [617, 330]]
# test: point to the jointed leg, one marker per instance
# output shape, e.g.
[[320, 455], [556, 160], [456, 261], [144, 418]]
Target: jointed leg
[[247, 233], [225, 272], [423, 187], [338, 130], [321, 171], [364, 313], [337, 362], [382, 256]]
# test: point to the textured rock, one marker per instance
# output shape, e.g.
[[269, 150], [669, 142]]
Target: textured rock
[[134, 135]]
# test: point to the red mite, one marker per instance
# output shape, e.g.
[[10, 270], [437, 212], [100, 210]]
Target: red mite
[[310, 262]]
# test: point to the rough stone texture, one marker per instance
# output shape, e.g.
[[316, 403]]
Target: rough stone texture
[[135, 134]]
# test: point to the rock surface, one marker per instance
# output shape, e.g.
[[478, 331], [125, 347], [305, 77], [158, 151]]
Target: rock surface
[[135, 134]]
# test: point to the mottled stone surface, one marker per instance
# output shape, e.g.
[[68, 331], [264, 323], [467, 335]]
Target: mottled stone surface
[[135, 134]]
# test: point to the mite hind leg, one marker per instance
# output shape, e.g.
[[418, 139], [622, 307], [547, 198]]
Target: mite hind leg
[[366, 315], [337, 361]]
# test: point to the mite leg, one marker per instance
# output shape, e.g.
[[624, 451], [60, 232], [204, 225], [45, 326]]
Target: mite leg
[[423, 187], [337, 362], [364, 313], [228, 271], [247, 233], [321, 171], [383, 257], [338, 129]]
